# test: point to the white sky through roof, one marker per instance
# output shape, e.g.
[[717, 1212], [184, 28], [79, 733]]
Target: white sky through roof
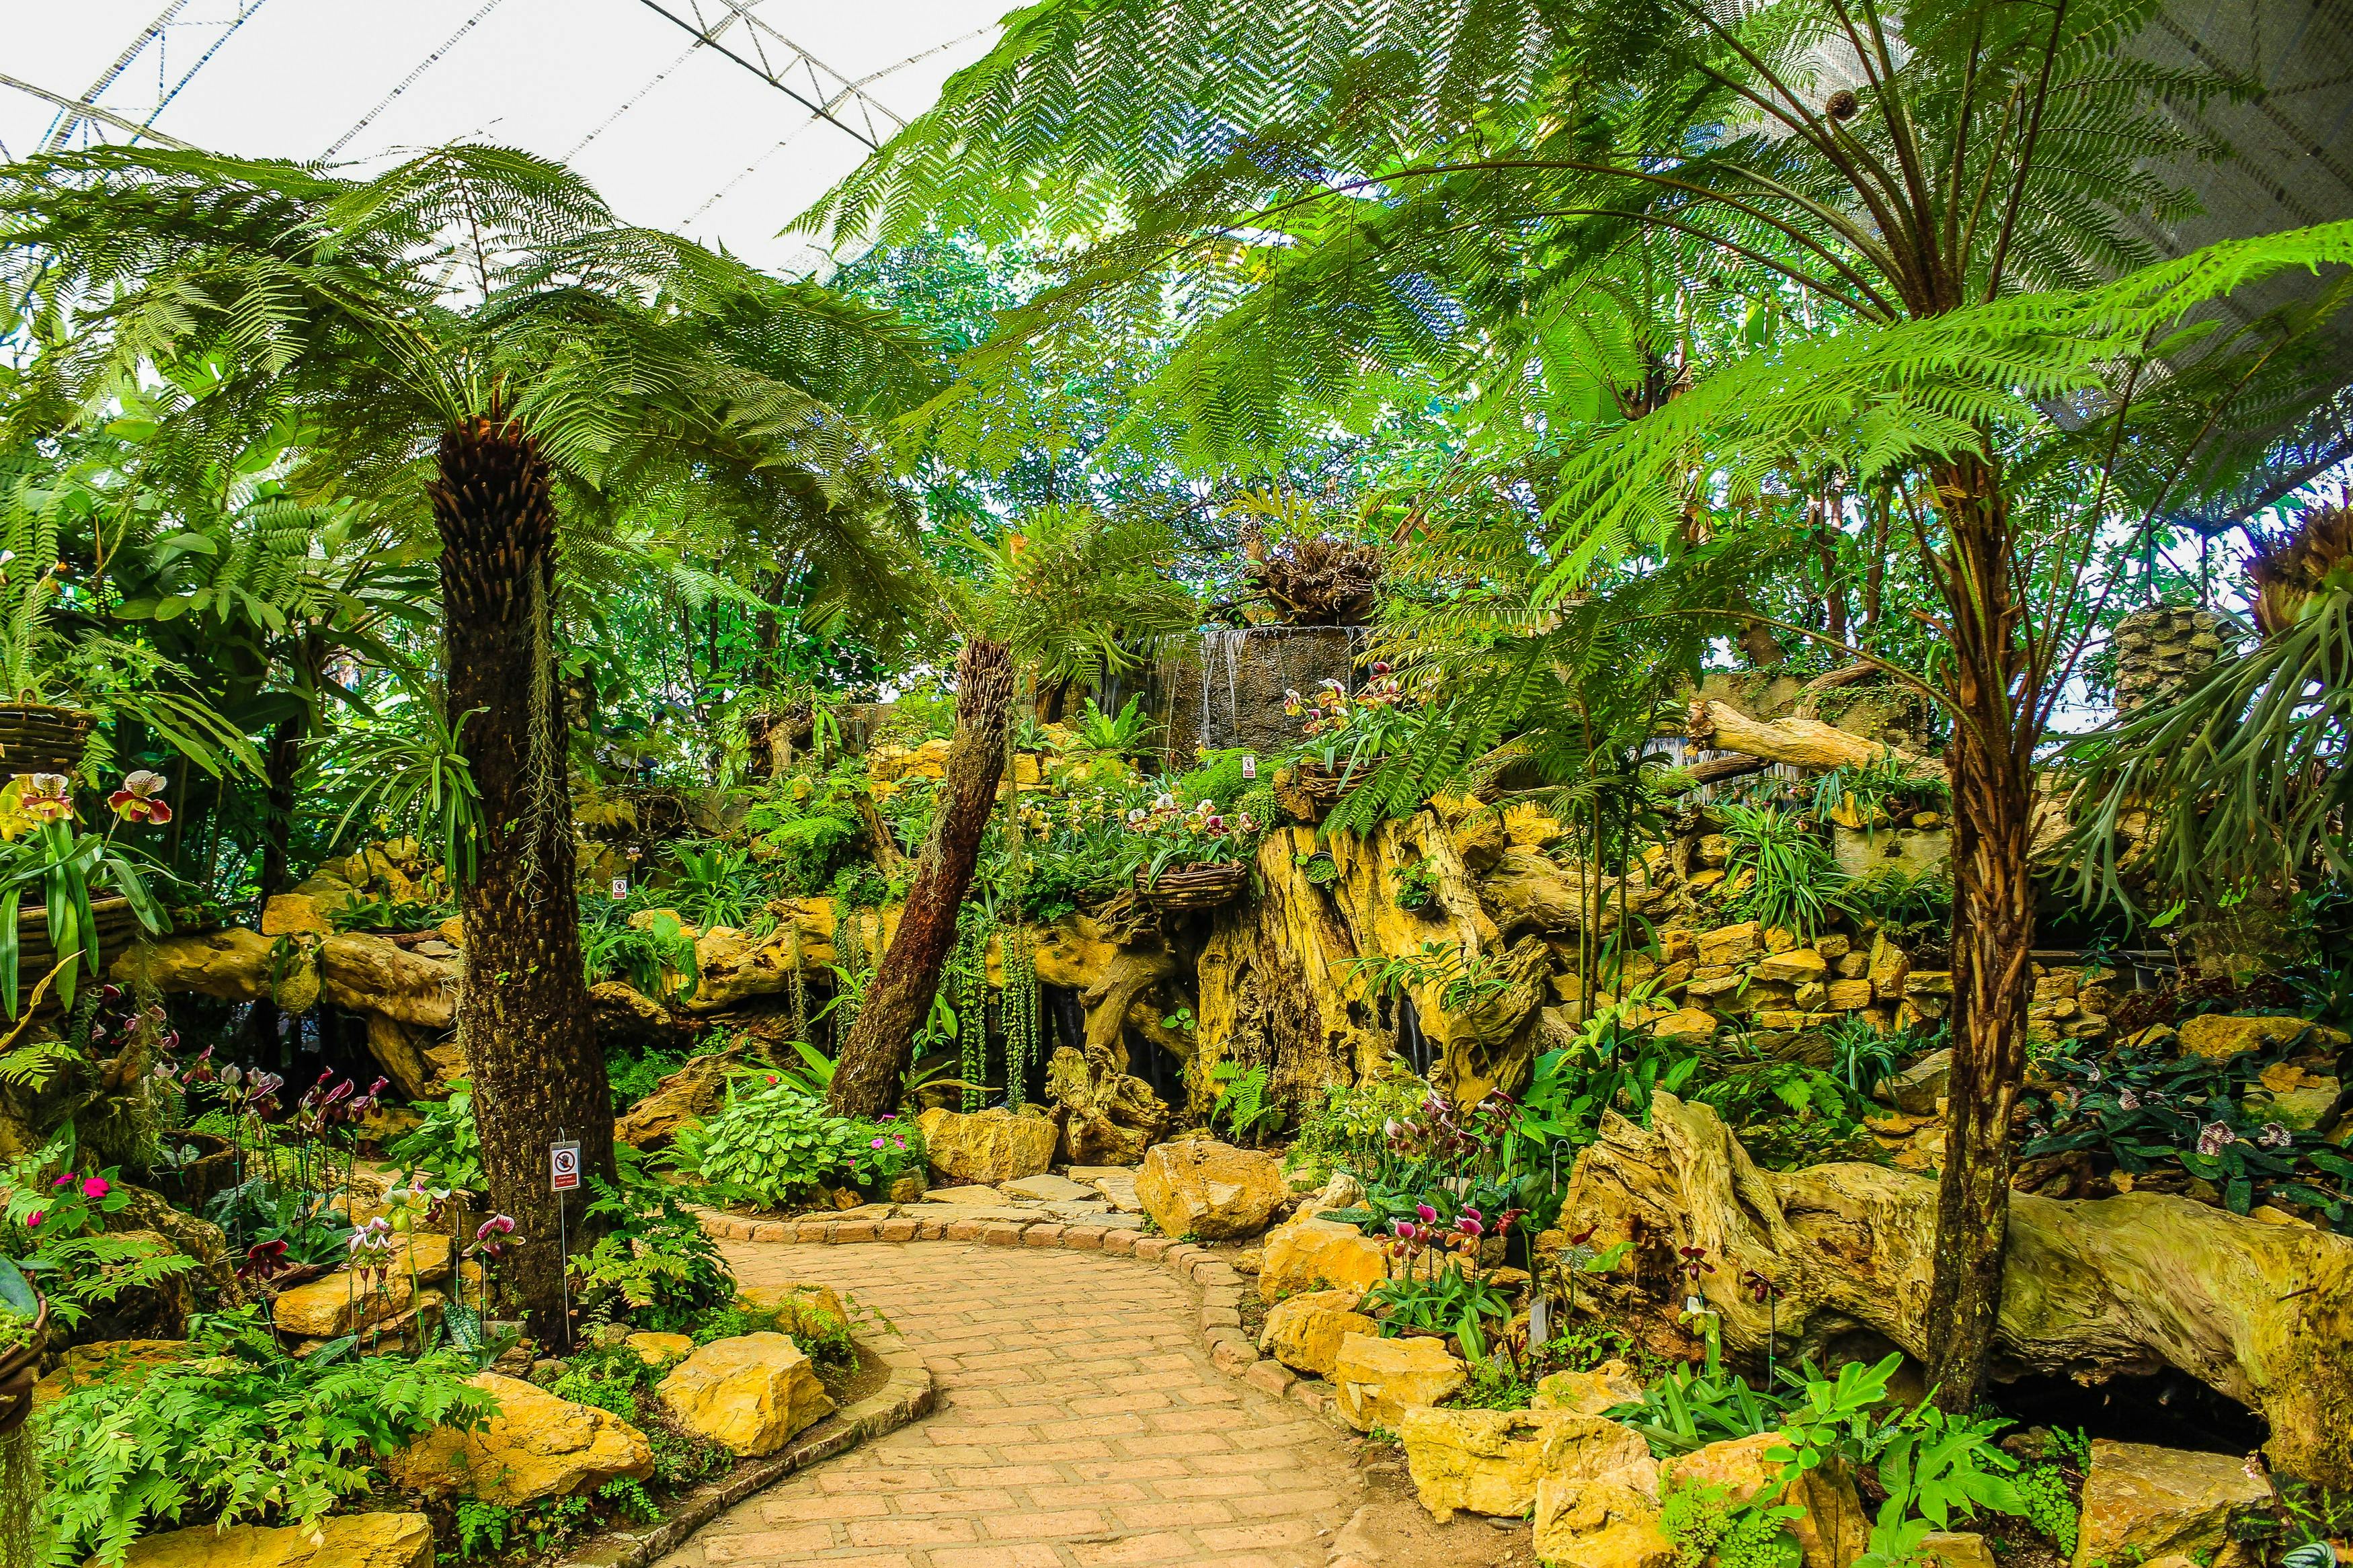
[[698, 151]]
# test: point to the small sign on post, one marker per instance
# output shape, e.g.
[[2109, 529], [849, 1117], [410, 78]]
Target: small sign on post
[[1250, 766], [564, 1167], [620, 888]]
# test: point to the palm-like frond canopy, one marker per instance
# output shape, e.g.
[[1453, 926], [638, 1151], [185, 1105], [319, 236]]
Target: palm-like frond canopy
[[374, 314]]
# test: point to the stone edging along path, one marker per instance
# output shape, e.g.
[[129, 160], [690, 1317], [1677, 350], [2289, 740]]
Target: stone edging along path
[[909, 1393], [1219, 1326]]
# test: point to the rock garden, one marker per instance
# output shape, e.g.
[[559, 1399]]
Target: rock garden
[[1552, 796]]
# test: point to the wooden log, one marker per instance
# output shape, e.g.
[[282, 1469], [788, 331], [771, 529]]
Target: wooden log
[[1802, 743], [2091, 1291]]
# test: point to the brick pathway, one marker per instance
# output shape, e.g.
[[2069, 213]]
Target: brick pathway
[[1080, 1425]]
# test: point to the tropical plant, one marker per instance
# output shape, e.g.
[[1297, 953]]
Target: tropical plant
[[1785, 872], [770, 1141], [1907, 180], [237, 1431], [46, 853], [550, 358], [447, 1145], [2244, 774], [1128, 733], [406, 774], [1239, 1101], [654, 1264], [1449, 1299], [1060, 599]]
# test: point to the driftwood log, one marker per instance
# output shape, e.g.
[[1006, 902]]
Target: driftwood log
[[1802, 743], [2262, 1313]]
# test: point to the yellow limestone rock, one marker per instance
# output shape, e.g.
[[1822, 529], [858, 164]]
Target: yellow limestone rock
[[1200, 1187], [1311, 1254], [1589, 1393], [2218, 1036], [1597, 1503], [343, 1301], [536, 1446], [1303, 1332], [1492, 1461], [2140, 1498], [339, 1541], [1797, 966], [1688, 1027], [1957, 1549], [1599, 1524], [990, 1147], [812, 1308], [1379, 1380], [655, 1349], [1730, 944], [1833, 1529], [751, 1392], [1890, 967], [1480, 1461], [107, 1362]]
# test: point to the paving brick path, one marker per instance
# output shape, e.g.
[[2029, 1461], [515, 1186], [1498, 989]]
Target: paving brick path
[[1080, 1425]]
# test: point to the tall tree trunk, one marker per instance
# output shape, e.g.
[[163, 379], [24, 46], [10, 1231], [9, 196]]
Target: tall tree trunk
[[1993, 928], [523, 1006], [899, 997]]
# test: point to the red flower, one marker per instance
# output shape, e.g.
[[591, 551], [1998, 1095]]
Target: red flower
[[137, 800]]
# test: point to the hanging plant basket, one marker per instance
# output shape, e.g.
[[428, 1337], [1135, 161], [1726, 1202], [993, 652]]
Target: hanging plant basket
[[1194, 887], [40, 740], [18, 1370], [36, 955]]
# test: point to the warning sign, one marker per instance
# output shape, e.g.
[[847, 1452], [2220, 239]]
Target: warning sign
[[564, 1167]]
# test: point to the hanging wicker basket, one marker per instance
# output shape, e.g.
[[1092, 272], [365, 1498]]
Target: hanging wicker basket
[[1193, 886], [38, 740], [18, 1369], [36, 955]]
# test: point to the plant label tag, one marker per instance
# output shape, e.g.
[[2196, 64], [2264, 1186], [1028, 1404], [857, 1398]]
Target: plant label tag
[[1249, 767], [564, 1167], [620, 886], [1539, 1310]]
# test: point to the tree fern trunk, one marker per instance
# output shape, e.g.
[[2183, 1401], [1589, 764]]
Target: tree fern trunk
[[1993, 929], [899, 998], [523, 1006]]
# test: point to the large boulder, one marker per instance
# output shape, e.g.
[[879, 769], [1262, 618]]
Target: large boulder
[[339, 1541], [343, 1301], [1480, 1461], [1312, 1254], [2153, 1502], [1597, 1503], [1109, 1116], [751, 1394], [1833, 1529], [1200, 1187], [423, 1061], [537, 1446], [1378, 1380], [697, 1089], [990, 1147], [1493, 1461], [1303, 1332]]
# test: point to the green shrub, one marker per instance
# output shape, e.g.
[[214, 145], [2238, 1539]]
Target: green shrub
[[1792, 880], [239, 1431], [771, 1141], [633, 1078], [656, 1265], [445, 1147]]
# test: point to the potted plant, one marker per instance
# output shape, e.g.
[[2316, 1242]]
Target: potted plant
[[90, 892], [57, 685], [24, 1326], [1342, 736], [1195, 860]]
